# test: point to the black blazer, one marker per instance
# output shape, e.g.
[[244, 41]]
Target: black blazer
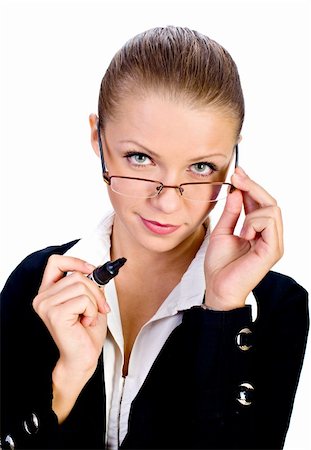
[[212, 386]]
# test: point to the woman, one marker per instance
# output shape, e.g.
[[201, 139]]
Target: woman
[[195, 343]]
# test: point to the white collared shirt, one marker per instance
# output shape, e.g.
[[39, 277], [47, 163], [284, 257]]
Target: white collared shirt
[[121, 391]]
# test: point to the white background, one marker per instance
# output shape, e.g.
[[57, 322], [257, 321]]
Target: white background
[[53, 56]]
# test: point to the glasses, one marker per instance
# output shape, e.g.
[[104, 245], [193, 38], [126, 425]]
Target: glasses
[[143, 188]]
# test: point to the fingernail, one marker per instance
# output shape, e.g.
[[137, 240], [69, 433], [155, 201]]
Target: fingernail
[[107, 307]]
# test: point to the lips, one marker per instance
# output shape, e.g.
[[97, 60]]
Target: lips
[[159, 228], [161, 224]]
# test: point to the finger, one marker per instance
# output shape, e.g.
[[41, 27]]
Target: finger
[[79, 283], [254, 223], [266, 245], [43, 305], [273, 212], [230, 214], [71, 311], [254, 195], [46, 300], [249, 203], [58, 265]]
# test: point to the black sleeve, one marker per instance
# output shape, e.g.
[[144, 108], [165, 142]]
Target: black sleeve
[[256, 374], [28, 356], [280, 341], [220, 373], [222, 381]]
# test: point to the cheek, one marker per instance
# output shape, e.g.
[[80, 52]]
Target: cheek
[[200, 212], [121, 203]]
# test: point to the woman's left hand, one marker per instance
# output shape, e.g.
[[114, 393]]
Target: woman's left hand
[[234, 265]]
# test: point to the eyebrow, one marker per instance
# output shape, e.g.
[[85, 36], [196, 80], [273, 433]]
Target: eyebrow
[[155, 155]]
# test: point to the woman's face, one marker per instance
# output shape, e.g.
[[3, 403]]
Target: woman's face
[[162, 140]]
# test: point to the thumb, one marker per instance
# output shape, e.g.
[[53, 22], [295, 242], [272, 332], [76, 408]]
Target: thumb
[[230, 215]]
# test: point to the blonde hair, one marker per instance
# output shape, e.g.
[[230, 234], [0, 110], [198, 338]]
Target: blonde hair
[[177, 62]]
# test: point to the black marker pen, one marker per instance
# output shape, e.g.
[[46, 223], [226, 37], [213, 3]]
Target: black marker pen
[[102, 274]]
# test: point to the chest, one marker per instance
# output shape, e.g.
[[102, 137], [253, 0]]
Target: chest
[[120, 391], [137, 306], [135, 313]]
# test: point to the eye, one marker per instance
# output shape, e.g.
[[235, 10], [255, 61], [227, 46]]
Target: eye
[[138, 159], [203, 168]]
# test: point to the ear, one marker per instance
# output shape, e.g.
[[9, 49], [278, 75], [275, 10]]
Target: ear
[[93, 120]]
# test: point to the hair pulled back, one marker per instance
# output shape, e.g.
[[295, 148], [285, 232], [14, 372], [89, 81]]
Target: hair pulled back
[[177, 62]]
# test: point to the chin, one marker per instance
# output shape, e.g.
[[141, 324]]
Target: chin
[[159, 246]]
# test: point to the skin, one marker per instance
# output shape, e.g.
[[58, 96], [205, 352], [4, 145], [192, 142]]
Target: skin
[[74, 308]]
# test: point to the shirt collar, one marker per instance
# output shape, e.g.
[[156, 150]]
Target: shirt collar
[[94, 248]]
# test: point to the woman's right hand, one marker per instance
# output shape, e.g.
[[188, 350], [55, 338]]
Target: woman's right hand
[[74, 310]]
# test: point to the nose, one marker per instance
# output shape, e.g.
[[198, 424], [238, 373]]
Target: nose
[[168, 200]]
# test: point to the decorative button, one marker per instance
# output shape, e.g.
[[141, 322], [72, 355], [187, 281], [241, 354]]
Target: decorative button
[[9, 440], [244, 338], [31, 425], [245, 394]]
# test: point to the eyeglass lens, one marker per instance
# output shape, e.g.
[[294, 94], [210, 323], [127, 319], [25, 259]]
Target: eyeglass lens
[[147, 189]]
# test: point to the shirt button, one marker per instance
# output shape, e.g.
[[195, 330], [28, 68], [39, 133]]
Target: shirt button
[[245, 394], [9, 441], [31, 425], [244, 338]]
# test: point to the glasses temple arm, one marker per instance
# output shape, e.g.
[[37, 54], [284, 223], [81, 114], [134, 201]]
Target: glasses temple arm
[[236, 156], [101, 150]]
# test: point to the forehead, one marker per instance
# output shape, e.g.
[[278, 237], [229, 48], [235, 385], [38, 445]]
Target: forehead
[[158, 123]]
